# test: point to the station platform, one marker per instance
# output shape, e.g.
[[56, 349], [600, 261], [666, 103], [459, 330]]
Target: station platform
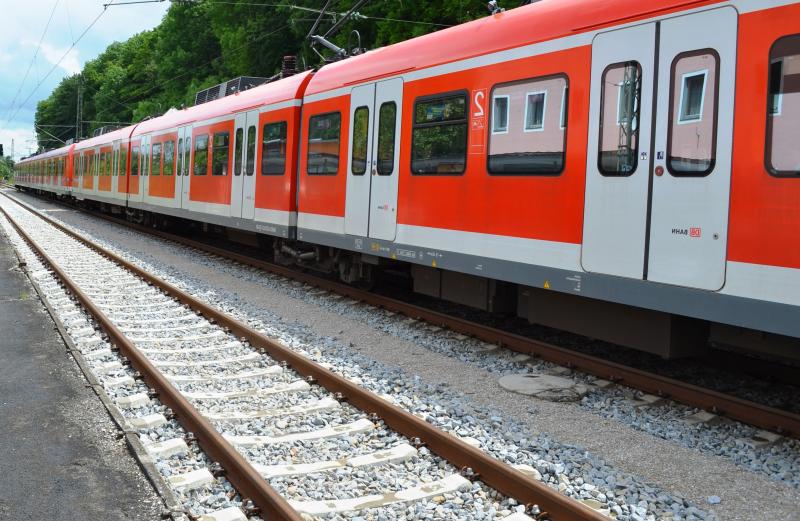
[[60, 456]]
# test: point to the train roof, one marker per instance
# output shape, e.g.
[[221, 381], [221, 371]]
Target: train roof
[[285, 89], [537, 22], [48, 154]]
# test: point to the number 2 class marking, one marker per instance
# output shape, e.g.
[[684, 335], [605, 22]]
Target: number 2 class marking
[[479, 97]]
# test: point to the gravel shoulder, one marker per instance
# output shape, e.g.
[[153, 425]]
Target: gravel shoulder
[[668, 466], [59, 452]]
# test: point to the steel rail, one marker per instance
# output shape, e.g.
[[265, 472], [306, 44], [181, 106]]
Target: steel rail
[[746, 411], [247, 481], [478, 464]]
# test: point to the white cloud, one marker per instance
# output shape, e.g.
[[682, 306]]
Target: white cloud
[[66, 58]]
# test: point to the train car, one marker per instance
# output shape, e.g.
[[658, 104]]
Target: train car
[[588, 153], [229, 162], [49, 171], [613, 169]]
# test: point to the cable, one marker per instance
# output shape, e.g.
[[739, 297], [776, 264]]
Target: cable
[[56, 64], [35, 54]]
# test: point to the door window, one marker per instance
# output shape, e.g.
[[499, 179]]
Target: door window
[[620, 97], [123, 160], [134, 161], [387, 124], [360, 137], [691, 141], [273, 148], [237, 153], [783, 108], [251, 150]]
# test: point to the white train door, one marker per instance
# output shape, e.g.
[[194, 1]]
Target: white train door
[[357, 203], [184, 166], [385, 159], [658, 165], [238, 164], [373, 160], [694, 131], [245, 141]]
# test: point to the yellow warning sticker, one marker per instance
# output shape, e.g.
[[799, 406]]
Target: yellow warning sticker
[[547, 284], [433, 263]]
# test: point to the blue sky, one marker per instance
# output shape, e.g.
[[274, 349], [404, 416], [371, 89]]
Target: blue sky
[[23, 24]]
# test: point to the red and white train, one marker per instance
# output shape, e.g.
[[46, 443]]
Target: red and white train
[[623, 169]]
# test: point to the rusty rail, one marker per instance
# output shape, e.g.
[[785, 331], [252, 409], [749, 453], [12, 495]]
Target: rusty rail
[[491, 471], [746, 411]]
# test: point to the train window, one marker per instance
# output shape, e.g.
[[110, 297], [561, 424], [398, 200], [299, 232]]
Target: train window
[[360, 137], [323, 144], [134, 161], [146, 159], [156, 159], [102, 165], [439, 136], [500, 114], [180, 156], [200, 155], [250, 164], [220, 153], [620, 93], [782, 156], [691, 140], [187, 148], [123, 160], [273, 148], [108, 163], [536, 143], [387, 124], [237, 152], [169, 157]]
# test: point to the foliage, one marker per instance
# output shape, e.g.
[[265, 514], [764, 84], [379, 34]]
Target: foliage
[[201, 43], [6, 167]]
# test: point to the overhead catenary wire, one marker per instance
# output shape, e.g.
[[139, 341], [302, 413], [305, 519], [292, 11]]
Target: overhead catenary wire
[[33, 59], [55, 65]]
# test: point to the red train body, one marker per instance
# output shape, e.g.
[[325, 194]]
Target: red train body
[[611, 168]]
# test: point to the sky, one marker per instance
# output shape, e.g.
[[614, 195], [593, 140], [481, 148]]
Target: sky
[[24, 21]]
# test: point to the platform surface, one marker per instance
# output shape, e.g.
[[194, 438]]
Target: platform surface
[[59, 454]]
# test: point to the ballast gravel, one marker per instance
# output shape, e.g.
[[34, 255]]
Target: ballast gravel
[[360, 340]]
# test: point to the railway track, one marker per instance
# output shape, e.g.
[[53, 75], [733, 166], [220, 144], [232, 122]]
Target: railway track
[[718, 403], [249, 401]]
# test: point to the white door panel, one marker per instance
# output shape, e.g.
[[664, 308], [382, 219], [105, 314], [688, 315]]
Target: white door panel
[[357, 203], [385, 160], [251, 169], [689, 217], [615, 217], [238, 165]]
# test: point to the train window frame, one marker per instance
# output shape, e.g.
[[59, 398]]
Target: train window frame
[[393, 140], [683, 117], [672, 122], [361, 162], [565, 108], [462, 93], [617, 121], [770, 117], [169, 157], [135, 161], [250, 161], [156, 158], [238, 151], [281, 124], [200, 138], [123, 160], [215, 149], [338, 144]]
